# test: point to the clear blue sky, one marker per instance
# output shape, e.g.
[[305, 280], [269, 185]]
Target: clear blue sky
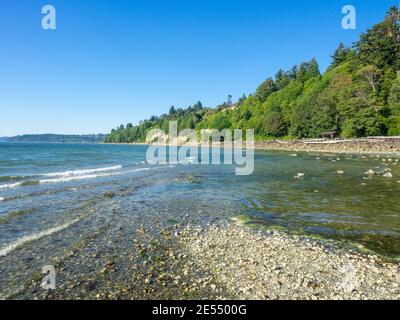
[[118, 61]]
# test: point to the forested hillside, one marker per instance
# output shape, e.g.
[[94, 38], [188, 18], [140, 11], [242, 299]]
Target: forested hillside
[[359, 95]]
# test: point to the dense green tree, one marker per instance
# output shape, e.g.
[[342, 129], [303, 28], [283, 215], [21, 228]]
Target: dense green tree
[[292, 73], [394, 97], [275, 124], [265, 89], [301, 74], [229, 100], [393, 122], [313, 69], [341, 55], [370, 74], [282, 79], [241, 100], [198, 106], [380, 46]]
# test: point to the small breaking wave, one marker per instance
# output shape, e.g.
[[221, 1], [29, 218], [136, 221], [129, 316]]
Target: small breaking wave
[[18, 184], [63, 176], [36, 236], [81, 172], [76, 175], [73, 178], [10, 185], [88, 176]]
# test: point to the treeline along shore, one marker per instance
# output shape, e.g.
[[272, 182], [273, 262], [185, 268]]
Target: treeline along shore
[[356, 97]]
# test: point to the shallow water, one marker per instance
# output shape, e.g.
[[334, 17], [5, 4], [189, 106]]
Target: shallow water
[[56, 195]]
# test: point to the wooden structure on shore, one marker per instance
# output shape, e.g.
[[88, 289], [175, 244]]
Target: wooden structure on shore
[[329, 135]]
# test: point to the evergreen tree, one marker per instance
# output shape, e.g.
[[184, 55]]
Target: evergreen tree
[[265, 89], [380, 45], [302, 72], [313, 69], [281, 79], [340, 55]]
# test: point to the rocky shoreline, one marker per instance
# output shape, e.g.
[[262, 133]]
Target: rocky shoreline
[[372, 145], [271, 265], [368, 145], [228, 260]]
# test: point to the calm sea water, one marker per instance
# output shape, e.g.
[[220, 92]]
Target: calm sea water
[[52, 196]]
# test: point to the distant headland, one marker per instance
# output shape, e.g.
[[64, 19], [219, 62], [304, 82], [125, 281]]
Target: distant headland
[[56, 138]]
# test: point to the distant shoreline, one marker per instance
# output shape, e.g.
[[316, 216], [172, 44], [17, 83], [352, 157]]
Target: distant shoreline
[[50, 142], [56, 138]]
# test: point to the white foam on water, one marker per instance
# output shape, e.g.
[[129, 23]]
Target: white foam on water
[[81, 172], [188, 160], [66, 176], [10, 185], [66, 179], [90, 176], [78, 175], [36, 236]]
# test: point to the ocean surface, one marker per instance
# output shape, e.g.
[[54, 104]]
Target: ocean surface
[[55, 196]]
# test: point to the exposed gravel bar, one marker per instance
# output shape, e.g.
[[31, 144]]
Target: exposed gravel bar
[[375, 145], [246, 264], [223, 260]]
